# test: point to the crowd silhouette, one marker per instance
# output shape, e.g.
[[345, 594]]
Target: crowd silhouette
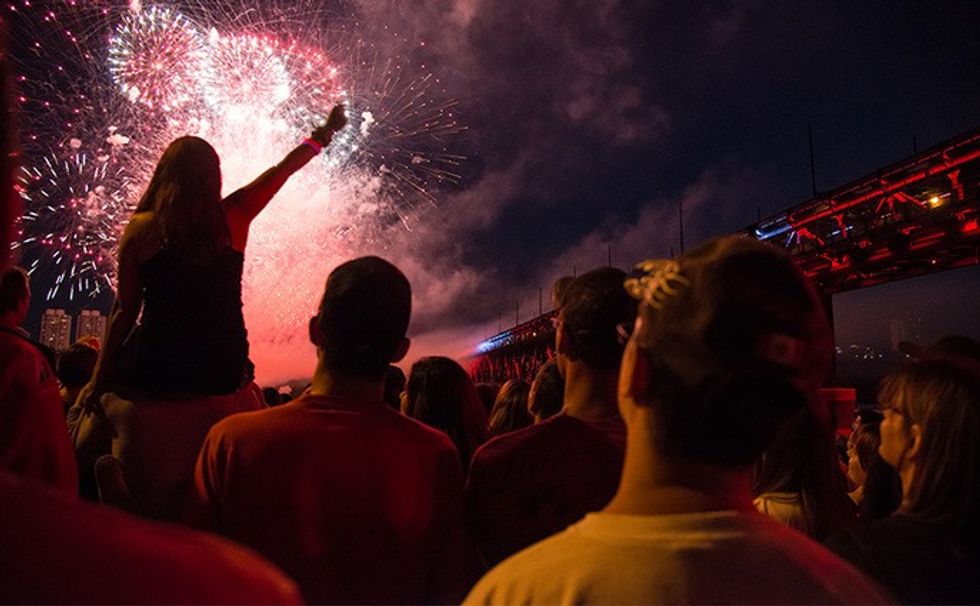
[[669, 445]]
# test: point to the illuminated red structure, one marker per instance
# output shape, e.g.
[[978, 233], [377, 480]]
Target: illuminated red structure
[[914, 217]]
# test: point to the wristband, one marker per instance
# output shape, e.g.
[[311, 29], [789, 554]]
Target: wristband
[[313, 144]]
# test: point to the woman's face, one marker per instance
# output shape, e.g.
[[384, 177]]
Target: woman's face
[[894, 436]]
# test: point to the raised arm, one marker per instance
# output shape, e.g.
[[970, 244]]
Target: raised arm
[[249, 201]]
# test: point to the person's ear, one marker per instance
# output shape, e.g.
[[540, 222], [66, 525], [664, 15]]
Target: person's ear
[[402, 350], [915, 442], [315, 337]]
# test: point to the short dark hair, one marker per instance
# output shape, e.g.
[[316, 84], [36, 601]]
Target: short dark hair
[[76, 364], [363, 316], [14, 287], [592, 306]]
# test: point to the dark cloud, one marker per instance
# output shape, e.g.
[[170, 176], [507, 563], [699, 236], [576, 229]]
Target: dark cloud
[[589, 121]]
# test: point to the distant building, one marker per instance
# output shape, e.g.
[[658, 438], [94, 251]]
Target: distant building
[[90, 323], [56, 329]]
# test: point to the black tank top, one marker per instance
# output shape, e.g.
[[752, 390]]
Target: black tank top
[[191, 338]]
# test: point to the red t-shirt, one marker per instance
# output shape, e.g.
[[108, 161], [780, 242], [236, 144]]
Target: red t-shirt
[[58, 550], [34, 441], [529, 484], [355, 501]]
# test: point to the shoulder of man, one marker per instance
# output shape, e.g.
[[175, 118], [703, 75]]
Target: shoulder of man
[[536, 574]]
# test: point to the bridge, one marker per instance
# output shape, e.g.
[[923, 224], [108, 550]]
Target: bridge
[[917, 216]]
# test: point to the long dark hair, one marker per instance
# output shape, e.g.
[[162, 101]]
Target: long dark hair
[[510, 408], [802, 460], [185, 197], [442, 395], [945, 401]]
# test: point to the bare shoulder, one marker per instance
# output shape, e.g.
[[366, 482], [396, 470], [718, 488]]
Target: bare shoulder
[[138, 237]]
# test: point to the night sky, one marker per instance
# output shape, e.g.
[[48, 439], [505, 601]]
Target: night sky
[[589, 121]]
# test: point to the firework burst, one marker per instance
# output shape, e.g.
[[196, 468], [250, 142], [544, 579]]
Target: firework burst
[[252, 78], [75, 207], [156, 57]]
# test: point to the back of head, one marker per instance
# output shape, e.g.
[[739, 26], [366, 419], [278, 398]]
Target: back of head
[[184, 195], [75, 366], [801, 460], [441, 395], [14, 289], [593, 306], [510, 408], [363, 317], [943, 399], [734, 341], [547, 391]]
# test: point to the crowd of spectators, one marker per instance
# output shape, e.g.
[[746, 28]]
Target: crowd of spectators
[[667, 446]]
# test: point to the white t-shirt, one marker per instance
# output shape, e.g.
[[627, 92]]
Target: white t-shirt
[[715, 557]]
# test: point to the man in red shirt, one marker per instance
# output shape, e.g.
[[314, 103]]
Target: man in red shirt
[[355, 501], [531, 483], [33, 436]]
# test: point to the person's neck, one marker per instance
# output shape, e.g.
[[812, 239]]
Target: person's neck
[[589, 394], [9, 320], [653, 485], [332, 384]]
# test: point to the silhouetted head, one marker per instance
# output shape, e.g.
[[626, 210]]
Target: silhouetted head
[[75, 366], [593, 305], [440, 394], [15, 295], [184, 196], [547, 393], [510, 409], [360, 328]]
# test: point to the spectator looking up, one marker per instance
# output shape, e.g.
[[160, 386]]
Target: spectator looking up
[[729, 342], [547, 392], [531, 483], [929, 550], [56, 550], [180, 263], [798, 480], [509, 411], [33, 439], [877, 489], [440, 394], [355, 501]]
